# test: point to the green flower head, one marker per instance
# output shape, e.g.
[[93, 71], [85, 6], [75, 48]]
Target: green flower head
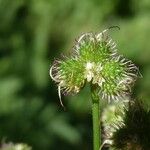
[[113, 119], [95, 59]]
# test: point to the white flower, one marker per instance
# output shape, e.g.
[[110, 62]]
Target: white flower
[[89, 73], [89, 66], [19, 147]]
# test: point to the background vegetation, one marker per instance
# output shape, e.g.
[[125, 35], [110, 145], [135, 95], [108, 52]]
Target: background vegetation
[[32, 34]]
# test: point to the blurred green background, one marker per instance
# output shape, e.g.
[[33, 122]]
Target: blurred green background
[[32, 34]]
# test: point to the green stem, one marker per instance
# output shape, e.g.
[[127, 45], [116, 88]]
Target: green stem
[[96, 118]]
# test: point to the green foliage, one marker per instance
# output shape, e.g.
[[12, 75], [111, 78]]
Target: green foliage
[[32, 33]]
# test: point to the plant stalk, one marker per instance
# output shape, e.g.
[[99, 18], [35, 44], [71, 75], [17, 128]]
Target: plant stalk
[[96, 118]]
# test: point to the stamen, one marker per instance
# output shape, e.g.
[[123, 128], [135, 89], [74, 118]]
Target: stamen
[[59, 94], [50, 73]]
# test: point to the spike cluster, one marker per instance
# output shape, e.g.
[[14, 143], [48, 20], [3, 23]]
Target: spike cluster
[[95, 59], [113, 119]]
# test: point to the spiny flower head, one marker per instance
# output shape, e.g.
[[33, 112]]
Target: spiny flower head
[[113, 119], [95, 59]]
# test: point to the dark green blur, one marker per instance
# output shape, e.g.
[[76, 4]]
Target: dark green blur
[[32, 34]]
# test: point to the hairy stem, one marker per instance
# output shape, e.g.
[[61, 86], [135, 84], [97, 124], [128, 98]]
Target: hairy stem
[[96, 118]]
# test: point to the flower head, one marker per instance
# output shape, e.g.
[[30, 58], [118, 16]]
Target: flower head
[[112, 119], [95, 59]]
